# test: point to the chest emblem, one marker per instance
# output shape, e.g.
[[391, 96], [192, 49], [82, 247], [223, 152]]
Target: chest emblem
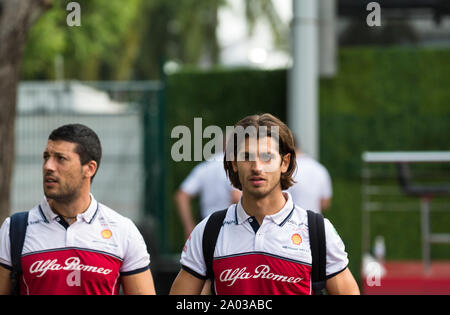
[[296, 239], [106, 234]]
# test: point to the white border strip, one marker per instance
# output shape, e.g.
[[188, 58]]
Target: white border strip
[[406, 156]]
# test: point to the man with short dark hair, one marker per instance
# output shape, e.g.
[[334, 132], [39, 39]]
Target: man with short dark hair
[[263, 243], [74, 244]]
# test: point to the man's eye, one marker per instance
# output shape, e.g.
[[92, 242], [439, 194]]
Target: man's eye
[[266, 157]]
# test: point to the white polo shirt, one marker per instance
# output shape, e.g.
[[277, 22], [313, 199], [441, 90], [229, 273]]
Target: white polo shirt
[[274, 258], [87, 257], [313, 183], [208, 179]]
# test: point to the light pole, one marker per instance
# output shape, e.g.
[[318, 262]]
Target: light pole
[[303, 77]]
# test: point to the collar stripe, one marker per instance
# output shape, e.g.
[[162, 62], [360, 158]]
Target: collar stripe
[[288, 217], [43, 215], [95, 214]]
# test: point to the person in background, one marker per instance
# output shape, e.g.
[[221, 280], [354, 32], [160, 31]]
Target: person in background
[[312, 189], [208, 181]]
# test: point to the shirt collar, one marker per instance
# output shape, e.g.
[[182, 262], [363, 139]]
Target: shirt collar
[[279, 218], [87, 215]]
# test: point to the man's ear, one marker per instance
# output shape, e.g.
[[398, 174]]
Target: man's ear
[[285, 161], [90, 168]]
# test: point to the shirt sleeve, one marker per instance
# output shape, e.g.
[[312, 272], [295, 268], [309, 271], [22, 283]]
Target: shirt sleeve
[[327, 189], [192, 259], [136, 258], [192, 184], [5, 250], [337, 258]]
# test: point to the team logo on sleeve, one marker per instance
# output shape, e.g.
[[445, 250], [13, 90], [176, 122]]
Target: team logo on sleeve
[[106, 234], [296, 239]]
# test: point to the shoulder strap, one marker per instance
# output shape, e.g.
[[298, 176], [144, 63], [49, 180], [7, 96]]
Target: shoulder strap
[[209, 240], [317, 240], [17, 229]]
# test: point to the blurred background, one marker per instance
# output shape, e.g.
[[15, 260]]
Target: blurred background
[[134, 71]]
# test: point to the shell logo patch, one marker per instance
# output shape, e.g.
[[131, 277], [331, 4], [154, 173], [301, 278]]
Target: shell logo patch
[[296, 239], [106, 234]]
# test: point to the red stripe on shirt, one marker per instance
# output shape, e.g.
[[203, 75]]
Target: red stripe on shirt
[[70, 271], [262, 274]]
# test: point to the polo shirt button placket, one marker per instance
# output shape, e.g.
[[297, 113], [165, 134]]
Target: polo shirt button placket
[[70, 235], [259, 239]]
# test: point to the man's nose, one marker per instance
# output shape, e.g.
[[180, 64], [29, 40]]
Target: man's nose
[[49, 165], [257, 165]]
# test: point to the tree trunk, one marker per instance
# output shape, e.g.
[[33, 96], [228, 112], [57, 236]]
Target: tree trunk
[[16, 17]]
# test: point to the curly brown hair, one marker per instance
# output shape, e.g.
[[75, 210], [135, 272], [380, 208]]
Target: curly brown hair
[[285, 141]]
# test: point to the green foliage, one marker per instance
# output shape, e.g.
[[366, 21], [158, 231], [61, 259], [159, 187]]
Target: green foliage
[[41, 49], [381, 99], [257, 9], [184, 31], [120, 40], [384, 99], [86, 49]]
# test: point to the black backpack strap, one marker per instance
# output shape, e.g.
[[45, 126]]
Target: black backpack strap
[[210, 235], [17, 229], [317, 241]]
